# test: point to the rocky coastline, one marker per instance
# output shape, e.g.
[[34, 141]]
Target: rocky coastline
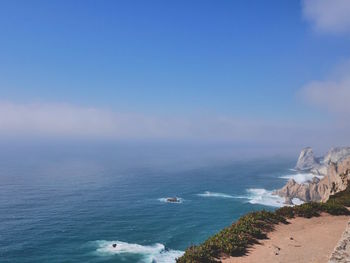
[[326, 195], [331, 175]]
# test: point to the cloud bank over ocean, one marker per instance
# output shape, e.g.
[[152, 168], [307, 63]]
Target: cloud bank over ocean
[[69, 121], [261, 116]]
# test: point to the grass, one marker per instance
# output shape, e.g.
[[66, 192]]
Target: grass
[[249, 229], [341, 198]]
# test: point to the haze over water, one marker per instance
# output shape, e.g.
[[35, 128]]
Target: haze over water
[[108, 108], [71, 203]]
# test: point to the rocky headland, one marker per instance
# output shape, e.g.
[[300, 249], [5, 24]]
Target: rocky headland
[[331, 175], [300, 233]]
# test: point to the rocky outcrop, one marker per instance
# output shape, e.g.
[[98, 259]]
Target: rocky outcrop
[[336, 154], [173, 200], [341, 253], [305, 192], [335, 168], [306, 160], [337, 178], [319, 166]]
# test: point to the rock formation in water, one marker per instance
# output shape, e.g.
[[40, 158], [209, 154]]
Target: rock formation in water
[[306, 160], [335, 169], [173, 200]]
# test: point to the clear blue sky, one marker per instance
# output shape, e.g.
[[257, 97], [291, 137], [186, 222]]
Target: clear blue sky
[[247, 58]]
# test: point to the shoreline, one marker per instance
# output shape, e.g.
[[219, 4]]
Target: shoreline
[[301, 233]]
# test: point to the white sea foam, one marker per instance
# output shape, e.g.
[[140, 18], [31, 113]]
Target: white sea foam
[[256, 196], [264, 197], [217, 195], [297, 201], [149, 254], [301, 178], [165, 200]]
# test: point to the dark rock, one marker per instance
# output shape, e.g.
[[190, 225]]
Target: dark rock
[[173, 200]]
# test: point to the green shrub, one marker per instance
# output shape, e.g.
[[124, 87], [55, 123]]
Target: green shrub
[[308, 210], [286, 212], [335, 209], [196, 254], [235, 239], [342, 197]]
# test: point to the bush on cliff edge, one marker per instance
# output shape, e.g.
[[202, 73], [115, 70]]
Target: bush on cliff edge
[[235, 239]]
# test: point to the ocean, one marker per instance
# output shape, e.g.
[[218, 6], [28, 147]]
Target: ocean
[[72, 203]]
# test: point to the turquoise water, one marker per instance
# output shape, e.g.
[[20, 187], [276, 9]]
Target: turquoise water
[[72, 204]]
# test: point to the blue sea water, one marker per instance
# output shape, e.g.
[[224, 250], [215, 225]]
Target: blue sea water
[[70, 204]]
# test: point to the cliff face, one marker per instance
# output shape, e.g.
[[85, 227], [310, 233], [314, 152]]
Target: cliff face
[[306, 160], [304, 192], [335, 167], [337, 178], [319, 166], [341, 252]]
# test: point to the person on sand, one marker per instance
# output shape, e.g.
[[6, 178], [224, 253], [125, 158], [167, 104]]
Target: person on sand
[[114, 245]]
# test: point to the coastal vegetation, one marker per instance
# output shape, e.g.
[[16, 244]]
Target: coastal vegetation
[[341, 198], [249, 229]]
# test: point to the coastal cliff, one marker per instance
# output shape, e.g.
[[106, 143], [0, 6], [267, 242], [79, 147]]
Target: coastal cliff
[[331, 175], [330, 185], [306, 160]]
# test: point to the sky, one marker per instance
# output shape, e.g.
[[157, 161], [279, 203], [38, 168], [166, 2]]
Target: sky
[[249, 72]]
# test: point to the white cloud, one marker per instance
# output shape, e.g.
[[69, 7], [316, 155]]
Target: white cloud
[[330, 16], [332, 94], [68, 121], [62, 120]]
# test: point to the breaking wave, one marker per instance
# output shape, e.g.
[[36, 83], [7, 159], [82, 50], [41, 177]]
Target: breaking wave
[[255, 196], [301, 178], [217, 195], [156, 253], [297, 201], [264, 197]]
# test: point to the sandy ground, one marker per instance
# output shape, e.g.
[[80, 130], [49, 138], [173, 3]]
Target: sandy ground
[[302, 241]]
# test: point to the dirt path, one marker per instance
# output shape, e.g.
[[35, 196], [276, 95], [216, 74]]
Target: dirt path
[[302, 241]]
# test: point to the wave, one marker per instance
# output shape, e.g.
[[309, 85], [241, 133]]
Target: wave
[[301, 178], [218, 195], [297, 201], [264, 197], [267, 198], [256, 196], [156, 253], [165, 200]]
